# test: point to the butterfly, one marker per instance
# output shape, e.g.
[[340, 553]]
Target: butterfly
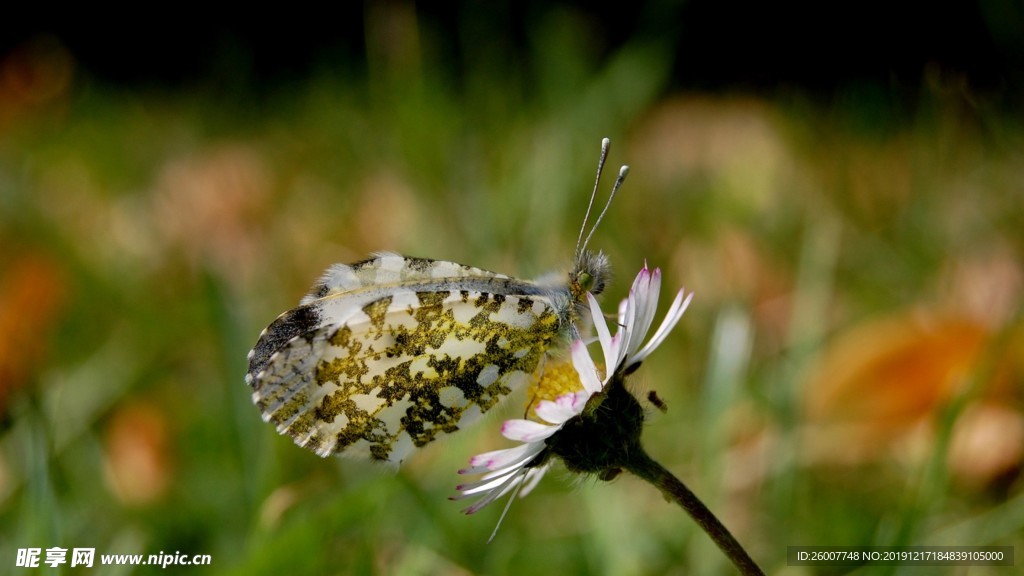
[[386, 355]]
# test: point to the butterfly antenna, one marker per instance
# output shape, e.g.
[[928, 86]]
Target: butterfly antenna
[[618, 184], [605, 145]]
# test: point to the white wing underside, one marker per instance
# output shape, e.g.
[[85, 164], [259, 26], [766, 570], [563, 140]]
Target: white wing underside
[[402, 351]]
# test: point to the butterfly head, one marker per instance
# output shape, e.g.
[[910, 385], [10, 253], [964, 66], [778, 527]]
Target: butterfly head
[[591, 273]]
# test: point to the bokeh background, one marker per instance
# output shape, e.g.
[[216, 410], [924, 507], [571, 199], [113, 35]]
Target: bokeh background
[[842, 187]]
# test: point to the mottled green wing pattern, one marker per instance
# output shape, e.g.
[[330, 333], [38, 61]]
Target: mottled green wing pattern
[[386, 355]]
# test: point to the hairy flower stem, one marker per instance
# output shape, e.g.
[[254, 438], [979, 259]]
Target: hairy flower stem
[[605, 440], [645, 467]]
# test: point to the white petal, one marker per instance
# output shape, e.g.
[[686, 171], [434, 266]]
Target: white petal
[[483, 485], [496, 459], [533, 476], [563, 408], [615, 354], [675, 312], [643, 279], [585, 367], [526, 430], [495, 493], [600, 324], [497, 477], [645, 303], [649, 302], [625, 332], [622, 312]]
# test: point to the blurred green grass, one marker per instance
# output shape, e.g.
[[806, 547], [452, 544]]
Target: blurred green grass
[[148, 238]]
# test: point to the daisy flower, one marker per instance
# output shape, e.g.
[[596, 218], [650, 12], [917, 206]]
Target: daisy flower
[[520, 468]]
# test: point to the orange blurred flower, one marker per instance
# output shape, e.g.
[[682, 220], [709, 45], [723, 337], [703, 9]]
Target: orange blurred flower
[[881, 387], [137, 446], [32, 294], [209, 205]]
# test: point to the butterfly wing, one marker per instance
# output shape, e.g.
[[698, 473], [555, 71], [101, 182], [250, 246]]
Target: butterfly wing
[[386, 355]]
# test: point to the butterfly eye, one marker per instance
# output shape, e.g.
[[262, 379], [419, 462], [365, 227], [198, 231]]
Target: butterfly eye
[[586, 281]]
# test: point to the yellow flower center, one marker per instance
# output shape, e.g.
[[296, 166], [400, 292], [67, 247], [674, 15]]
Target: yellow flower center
[[558, 377]]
